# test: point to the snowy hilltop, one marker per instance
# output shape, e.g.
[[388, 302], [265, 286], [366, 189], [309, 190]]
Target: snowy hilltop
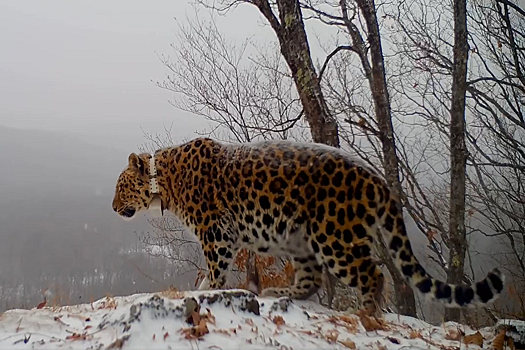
[[232, 319]]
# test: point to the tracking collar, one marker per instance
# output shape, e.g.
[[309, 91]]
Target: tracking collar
[[155, 206], [153, 182]]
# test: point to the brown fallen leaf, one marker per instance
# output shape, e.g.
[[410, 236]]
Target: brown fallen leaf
[[195, 318], [350, 323], [476, 339], [42, 304], [332, 336], [371, 323], [278, 320], [499, 341], [196, 332], [453, 334], [415, 334], [166, 335], [209, 317], [348, 343]]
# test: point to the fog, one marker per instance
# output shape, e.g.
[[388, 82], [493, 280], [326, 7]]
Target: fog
[[88, 68]]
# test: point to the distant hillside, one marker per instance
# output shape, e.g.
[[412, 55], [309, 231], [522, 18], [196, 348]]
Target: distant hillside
[[56, 220], [37, 158]]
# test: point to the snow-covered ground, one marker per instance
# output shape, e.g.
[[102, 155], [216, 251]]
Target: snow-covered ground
[[233, 319]]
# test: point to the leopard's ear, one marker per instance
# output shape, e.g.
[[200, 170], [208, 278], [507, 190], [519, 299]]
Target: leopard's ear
[[136, 163]]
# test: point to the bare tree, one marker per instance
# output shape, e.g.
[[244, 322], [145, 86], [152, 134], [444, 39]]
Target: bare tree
[[248, 97], [286, 19], [458, 152], [171, 241], [425, 67], [497, 141]]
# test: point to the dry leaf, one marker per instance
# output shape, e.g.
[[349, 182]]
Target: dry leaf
[[372, 324], [278, 320], [195, 317], [415, 334], [503, 342], [196, 332], [499, 342], [209, 317], [166, 335], [453, 334], [350, 323], [201, 329], [154, 336], [348, 343], [332, 336], [249, 322], [476, 339]]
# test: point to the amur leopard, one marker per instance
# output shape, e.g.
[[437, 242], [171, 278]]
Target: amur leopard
[[308, 201]]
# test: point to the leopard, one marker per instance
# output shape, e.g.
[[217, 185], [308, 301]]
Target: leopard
[[318, 205]]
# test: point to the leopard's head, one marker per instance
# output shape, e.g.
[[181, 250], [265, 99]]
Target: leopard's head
[[132, 192]]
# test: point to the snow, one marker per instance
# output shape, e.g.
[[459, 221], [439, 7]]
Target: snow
[[232, 319]]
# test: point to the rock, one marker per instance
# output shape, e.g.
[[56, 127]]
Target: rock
[[241, 299], [281, 304]]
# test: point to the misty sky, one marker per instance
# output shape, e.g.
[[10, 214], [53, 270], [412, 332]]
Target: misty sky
[[87, 67]]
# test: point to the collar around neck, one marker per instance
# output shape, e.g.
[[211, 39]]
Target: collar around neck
[[153, 182]]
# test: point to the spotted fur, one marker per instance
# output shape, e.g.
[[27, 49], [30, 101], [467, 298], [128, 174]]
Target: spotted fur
[[308, 201]]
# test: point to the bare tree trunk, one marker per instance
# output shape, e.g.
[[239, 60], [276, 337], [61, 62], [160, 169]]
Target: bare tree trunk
[[405, 301], [458, 153], [290, 31]]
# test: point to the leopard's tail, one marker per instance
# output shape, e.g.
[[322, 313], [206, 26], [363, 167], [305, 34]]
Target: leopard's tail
[[476, 294]]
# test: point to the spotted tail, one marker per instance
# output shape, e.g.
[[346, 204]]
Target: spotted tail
[[461, 295]]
